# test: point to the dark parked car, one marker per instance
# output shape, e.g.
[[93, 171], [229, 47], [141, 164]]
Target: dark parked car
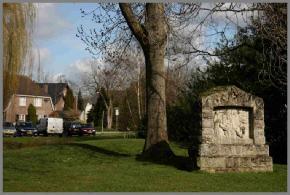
[[25, 129], [87, 129], [9, 129], [71, 128]]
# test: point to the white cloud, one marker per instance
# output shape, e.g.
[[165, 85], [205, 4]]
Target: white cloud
[[59, 77], [43, 53], [39, 55], [231, 18], [36, 57], [49, 22], [82, 68]]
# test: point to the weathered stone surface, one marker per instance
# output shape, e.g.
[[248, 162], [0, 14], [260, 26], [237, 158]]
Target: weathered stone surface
[[259, 124], [208, 131], [259, 115], [232, 134], [261, 163], [212, 162], [216, 150], [207, 139], [260, 140], [207, 115], [207, 123]]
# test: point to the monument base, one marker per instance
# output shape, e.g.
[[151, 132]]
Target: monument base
[[234, 158]]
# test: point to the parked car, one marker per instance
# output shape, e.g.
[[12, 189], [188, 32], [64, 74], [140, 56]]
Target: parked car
[[87, 129], [25, 129], [9, 129], [50, 126], [71, 128]]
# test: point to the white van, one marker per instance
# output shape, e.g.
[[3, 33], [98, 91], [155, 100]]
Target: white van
[[50, 126]]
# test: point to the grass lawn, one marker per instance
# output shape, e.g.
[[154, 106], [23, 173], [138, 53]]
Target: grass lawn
[[102, 164]]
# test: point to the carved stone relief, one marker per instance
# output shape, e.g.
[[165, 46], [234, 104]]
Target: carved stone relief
[[231, 124]]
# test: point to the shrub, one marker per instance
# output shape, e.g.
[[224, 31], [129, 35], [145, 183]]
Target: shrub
[[32, 114]]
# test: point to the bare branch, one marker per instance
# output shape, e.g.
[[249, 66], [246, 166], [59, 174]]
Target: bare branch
[[135, 26]]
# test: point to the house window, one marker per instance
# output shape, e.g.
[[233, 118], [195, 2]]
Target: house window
[[37, 102], [21, 117], [22, 101]]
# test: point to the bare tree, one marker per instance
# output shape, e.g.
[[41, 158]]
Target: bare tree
[[271, 26], [131, 65], [108, 78]]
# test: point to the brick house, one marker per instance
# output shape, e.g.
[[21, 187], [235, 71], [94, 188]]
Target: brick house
[[47, 98], [28, 92]]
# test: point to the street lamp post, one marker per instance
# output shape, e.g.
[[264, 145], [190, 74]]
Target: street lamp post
[[103, 121], [117, 114]]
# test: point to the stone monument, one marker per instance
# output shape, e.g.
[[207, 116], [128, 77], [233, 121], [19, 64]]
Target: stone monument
[[232, 132]]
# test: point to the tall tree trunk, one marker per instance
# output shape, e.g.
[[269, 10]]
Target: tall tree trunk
[[110, 115], [109, 107], [152, 38], [155, 75]]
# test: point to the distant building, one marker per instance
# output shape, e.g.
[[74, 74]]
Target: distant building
[[28, 92], [47, 98]]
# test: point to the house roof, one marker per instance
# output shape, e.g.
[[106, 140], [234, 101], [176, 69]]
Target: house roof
[[55, 90], [29, 87]]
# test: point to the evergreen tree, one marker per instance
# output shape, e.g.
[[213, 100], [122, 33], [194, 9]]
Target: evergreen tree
[[80, 101], [245, 67], [32, 117], [69, 100], [96, 113]]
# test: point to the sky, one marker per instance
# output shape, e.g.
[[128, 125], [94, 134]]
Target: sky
[[61, 52]]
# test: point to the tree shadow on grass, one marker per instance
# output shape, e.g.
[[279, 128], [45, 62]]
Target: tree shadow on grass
[[179, 162], [99, 150], [162, 154], [160, 157]]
